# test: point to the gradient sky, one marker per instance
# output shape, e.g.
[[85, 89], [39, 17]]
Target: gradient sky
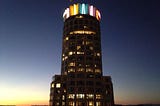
[[31, 41]]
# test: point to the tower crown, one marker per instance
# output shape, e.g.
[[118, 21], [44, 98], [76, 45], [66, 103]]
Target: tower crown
[[83, 8]]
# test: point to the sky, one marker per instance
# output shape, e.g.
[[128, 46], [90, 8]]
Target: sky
[[31, 43]]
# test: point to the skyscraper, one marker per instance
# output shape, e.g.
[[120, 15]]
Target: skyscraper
[[81, 82]]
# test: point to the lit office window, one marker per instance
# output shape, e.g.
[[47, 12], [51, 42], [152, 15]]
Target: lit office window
[[88, 42], [95, 65], [89, 96], [97, 70], [71, 53], [98, 103], [66, 38], [63, 97], [71, 70], [66, 57], [80, 52], [58, 85], [98, 96], [71, 103], [78, 47], [57, 104], [82, 32], [91, 103], [80, 96], [52, 85], [72, 64], [71, 96], [98, 54], [63, 103], [89, 70], [79, 16], [91, 48], [80, 69]]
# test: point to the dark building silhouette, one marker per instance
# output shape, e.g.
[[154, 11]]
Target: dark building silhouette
[[81, 82]]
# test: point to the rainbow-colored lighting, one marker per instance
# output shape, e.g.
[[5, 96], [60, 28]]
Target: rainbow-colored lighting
[[78, 8]]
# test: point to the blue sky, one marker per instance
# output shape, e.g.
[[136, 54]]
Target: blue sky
[[31, 41]]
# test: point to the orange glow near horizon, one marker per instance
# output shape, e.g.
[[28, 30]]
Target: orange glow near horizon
[[23, 96], [23, 102]]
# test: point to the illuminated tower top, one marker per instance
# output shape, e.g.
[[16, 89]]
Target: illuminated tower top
[[81, 82], [78, 8]]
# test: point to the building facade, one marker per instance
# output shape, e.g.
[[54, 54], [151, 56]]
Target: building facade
[[81, 82]]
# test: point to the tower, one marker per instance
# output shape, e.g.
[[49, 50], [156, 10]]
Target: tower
[[81, 82]]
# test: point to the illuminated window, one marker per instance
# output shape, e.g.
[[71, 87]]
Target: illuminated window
[[71, 70], [57, 104], [85, 27], [91, 103], [88, 42], [98, 103], [91, 48], [63, 103], [71, 96], [97, 70], [67, 38], [79, 16], [95, 65], [63, 97], [80, 69], [87, 65], [78, 47], [83, 43], [82, 32], [58, 85], [80, 95], [71, 64], [66, 57], [70, 53], [89, 70], [89, 96], [71, 103], [80, 52], [98, 54], [52, 85], [98, 96]]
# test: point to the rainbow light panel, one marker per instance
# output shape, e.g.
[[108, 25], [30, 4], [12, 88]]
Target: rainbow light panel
[[81, 9]]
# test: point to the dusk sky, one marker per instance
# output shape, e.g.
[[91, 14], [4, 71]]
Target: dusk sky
[[31, 43]]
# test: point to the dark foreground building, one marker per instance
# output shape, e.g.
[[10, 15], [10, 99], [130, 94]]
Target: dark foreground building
[[81, 82]]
